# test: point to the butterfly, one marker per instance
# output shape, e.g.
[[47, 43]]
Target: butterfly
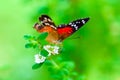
[[57, 34]]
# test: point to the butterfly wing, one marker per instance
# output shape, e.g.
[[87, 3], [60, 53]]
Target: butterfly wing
[[47, 21], [47, 25], [65, 31]]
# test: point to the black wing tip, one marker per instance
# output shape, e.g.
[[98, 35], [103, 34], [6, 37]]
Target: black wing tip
[[86, 19], [42, 17], [45, 15]]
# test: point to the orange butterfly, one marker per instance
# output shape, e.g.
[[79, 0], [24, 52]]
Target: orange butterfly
[[59, 33]]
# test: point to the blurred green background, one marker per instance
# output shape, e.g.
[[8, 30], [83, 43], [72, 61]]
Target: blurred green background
[[96, 54]]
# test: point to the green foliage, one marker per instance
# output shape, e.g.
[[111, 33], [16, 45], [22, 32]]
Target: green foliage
[[34, 42], [44, 53], [29, 37], [28, 45], [61, 70], [36, 66], [42, 36], [37, 42], [96, 54], [68, 65]]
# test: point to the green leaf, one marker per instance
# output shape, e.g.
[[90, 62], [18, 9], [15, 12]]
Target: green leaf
[[43, 42], [74, 73], [68, 65], [65, 71], [81, 77], [29, 37], [67, 78], [28, 45], [36, 66], [42, 36], [48, 62], [44, 53], [56, 77]]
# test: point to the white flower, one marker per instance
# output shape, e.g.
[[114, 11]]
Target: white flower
[[56, 49], [51, 49], [39, 58], [47, 48]]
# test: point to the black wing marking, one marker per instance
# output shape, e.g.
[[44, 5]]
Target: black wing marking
[[47, 21], [78, 23]]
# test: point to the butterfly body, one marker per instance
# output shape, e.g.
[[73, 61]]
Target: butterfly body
[[58, 34]]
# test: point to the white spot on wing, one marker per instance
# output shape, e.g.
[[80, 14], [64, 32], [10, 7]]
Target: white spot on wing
[[49, 20], [76, 27], [83, 21], [47, 24], [53, 26], [45, 18], [77, 22]]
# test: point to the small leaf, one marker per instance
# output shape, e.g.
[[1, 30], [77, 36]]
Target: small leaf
[[68, 65], [74, 73], [59, 58], [28, 45], [56, 77], [44, 42], [34, 43], [65, 71], [29, 37], [44, 53], [67, 78], [81, 77], [48, 62], [36, 66], [42, 36]]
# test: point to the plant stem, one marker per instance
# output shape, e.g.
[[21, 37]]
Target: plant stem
[[54, 63]]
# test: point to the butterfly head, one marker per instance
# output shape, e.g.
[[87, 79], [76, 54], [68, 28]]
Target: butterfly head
[[38, 27]]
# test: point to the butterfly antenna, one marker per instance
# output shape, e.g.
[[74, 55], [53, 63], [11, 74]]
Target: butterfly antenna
[[75, 38]]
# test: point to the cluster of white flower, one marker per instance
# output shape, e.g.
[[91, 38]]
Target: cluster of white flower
[[50, 49], [39, 58]]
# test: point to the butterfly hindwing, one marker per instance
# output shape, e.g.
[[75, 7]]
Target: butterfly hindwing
[[64, 31], [47, 21], [46, 25]]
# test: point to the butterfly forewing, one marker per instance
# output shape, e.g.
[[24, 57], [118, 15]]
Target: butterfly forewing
[[47, 25], [78, 23], [65, 31]]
